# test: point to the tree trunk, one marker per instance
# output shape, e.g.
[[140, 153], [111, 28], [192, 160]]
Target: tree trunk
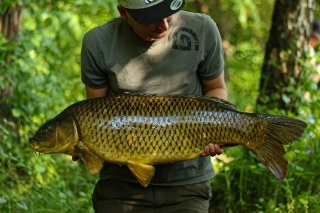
[[10, 22], [289, 39]]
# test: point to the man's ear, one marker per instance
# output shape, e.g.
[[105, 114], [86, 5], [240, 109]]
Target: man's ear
[[123, 12]]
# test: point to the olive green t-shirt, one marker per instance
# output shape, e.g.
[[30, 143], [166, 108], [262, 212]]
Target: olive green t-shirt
[[112, 55]]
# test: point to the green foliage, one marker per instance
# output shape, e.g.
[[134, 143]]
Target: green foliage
[[43, 74], [8, 4], [45, 184], [243, 69], [245, 9]]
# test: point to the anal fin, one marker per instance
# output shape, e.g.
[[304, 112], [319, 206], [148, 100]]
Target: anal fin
[[142, 172]]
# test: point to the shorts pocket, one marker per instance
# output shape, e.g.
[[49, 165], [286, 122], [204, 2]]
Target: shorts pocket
[[207, 190]]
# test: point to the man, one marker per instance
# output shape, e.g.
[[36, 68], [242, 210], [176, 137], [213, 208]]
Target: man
[[313, 43], [155, 48]]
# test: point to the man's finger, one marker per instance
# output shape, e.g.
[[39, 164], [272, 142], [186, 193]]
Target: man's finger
[[215, 149]]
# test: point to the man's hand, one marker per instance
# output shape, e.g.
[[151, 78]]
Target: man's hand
[[212, 149]]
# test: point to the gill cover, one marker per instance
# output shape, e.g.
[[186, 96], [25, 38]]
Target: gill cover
[[66, 135]]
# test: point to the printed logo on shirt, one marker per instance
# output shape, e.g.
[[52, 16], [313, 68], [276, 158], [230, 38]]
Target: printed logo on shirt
[[185, 39]]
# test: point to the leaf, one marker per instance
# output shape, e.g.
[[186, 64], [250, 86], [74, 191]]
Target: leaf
[[2, 200], [16, 113], [285, 98], [39, 168], [22, 205]]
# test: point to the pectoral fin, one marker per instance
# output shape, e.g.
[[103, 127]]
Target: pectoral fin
[[92, 161], [142, 172]]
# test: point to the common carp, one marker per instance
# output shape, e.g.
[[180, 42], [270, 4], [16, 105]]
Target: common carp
[[140, 131]]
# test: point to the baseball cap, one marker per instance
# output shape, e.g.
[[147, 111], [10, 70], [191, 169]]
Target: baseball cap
[[151, 11]]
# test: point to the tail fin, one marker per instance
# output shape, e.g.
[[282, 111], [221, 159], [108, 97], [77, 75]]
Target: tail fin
[[281, 130]]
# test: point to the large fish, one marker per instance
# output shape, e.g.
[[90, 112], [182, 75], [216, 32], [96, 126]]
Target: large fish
[[143, 130]]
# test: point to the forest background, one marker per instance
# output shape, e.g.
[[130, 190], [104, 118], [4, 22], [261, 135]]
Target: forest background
[[40, 76]]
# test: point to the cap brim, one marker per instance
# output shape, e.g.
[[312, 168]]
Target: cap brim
[[155, 13]]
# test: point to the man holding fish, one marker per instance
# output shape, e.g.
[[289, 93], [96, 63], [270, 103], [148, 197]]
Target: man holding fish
[[155, 48], [150, 149]]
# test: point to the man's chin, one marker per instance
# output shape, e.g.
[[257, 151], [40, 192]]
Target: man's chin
[[160, 35]]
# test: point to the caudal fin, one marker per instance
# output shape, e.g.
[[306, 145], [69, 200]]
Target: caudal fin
[[281, 130]]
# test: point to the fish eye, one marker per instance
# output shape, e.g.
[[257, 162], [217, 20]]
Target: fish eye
[[45, 131]]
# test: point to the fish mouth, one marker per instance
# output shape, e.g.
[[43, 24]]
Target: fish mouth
[[41, 147], [34, 146]]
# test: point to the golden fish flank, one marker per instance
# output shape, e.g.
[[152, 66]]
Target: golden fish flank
[[140, 131]]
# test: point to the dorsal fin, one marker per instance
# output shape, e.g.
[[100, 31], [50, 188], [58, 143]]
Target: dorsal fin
[[217, 101]]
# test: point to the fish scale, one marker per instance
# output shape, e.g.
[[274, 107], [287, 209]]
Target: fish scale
[[140, 131]]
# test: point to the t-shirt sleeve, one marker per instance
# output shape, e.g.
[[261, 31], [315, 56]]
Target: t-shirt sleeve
[[92, 73], [213, 63]]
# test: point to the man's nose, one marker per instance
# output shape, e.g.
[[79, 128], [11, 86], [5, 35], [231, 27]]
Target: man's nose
[[163, 24]]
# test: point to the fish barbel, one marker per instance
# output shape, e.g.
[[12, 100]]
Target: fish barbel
[[144, 130]]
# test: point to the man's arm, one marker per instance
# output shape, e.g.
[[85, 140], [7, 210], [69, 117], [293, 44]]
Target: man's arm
[[214, 88], [96, 93]]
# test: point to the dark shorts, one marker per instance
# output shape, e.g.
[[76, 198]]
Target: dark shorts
[[114, 196]]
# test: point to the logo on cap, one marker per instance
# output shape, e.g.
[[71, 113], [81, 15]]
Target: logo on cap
[[176, 4], [149, 1]]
